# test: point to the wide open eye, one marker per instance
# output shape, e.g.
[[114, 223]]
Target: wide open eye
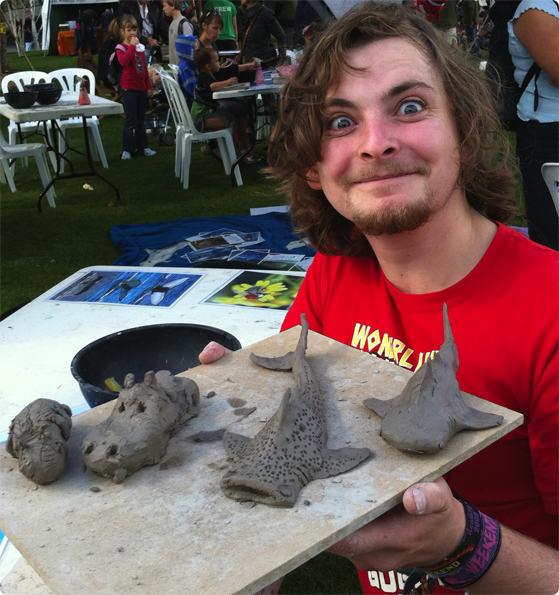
[[340, 123], [410, 108]]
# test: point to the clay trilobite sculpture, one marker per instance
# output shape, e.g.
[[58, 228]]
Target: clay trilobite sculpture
[[144, 418], [430, 410], [38, 436], [291, 449]]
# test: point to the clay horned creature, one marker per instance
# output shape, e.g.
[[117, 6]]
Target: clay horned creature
[[144, 418], [38, 436], [291, 449], [430, 410]]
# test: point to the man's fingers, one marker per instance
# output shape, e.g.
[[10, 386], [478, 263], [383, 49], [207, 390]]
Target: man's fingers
[[212, 352]]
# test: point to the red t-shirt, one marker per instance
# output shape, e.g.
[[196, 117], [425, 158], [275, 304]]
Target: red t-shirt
[[134, 76], [504, 317]]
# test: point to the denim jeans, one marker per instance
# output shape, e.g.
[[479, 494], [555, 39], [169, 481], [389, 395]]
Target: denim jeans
[[134, 136], [537, 144]]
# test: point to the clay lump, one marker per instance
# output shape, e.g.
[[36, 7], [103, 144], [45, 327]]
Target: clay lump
[[144, 418], [291, 449], [430, 410]]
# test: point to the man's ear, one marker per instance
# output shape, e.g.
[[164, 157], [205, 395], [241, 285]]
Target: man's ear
[[312, 178]]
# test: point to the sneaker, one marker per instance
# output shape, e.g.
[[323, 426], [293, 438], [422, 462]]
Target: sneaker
[[149, 152], [126, 155]]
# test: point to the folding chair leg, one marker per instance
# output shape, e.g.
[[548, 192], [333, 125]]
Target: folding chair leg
[[186, 154]]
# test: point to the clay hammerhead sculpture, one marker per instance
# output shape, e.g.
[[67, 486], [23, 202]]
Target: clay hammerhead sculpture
[[38, 436], [430, 411], [291, 449], [144, 418]]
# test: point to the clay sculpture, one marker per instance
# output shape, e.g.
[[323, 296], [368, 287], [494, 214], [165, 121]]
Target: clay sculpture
[[430, 411], [144, 418], [38, 436], [291, 449]]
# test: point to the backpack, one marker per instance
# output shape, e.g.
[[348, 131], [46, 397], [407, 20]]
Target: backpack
[[195, 27], [115, 67], [500, 68]]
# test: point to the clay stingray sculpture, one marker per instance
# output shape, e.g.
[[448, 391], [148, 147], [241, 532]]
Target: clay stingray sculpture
[[291, 449], [38, 437], [145, 417], [430, 410]]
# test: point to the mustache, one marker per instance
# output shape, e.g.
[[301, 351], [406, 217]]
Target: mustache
[[385, 170]]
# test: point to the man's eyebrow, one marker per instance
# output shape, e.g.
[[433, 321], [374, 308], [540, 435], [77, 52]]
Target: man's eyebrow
[[405, 87]]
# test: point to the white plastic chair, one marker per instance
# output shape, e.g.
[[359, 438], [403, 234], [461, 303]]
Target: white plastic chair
[[19, 79], [182, 117], [36, 150], [69, 78], [179, 128], [550, 173], [174, 71]]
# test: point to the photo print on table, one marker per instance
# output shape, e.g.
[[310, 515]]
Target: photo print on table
[[257, 290], [128, 288]]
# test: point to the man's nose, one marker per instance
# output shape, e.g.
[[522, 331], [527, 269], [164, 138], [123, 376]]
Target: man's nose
[[378, 138]]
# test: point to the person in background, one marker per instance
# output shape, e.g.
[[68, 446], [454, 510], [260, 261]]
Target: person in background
[[228, 38], [537, 123], [285, 14], [28, 36], [469, 24], [87, 20], [112, 38], [152, 27], [260, 24], [448, 19], [485, 30], [179, 26], [136, 87], [106, 17]]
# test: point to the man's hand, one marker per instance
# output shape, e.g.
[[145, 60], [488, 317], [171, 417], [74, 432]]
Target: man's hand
[[212, 352], [428, 526], [153, 43]]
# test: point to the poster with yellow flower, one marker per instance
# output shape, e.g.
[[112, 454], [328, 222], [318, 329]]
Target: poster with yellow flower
[[258, 290]]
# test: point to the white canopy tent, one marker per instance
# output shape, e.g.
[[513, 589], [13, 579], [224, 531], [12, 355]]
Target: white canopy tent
[[46, 12]]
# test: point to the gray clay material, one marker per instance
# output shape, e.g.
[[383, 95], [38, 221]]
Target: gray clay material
[[209, 436], [144, 418], [38, 436], [291, 449], [430, 410]]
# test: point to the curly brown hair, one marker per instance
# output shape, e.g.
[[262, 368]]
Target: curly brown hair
[[486, 170]]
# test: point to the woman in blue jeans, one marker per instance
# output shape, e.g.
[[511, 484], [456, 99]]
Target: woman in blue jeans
[[534, 47], [136, 88]]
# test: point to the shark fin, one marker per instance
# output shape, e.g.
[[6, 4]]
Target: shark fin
[[339, 461], [379, 406], [234, 443], [474, 419]]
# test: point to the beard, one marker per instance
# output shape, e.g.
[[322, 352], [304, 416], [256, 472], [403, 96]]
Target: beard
[[391, 219]]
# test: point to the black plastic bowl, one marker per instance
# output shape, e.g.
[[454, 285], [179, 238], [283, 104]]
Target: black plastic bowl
[[173, 347], [21, 99], [38, 87], [49, 96]]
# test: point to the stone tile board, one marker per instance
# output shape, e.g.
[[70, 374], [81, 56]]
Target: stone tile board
[[172, 530], [23, 580]]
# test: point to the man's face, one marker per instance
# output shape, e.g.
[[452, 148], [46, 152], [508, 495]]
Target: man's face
[[390, 149]]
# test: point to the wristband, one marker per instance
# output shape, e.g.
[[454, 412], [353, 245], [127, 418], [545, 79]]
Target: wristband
[[469, 561]]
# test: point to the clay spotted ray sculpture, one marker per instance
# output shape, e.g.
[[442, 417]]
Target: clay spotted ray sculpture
[[144, 418], [38, 436], [291, 449], [430, 410]]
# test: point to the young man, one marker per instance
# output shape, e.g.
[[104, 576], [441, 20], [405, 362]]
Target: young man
[[179, 26], [389, 151]]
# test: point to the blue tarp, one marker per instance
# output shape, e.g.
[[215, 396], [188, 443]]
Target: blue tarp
[[164, 242]]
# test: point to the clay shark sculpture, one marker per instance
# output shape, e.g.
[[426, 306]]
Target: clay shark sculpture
[[291, 449], [38, 436], [430, 410], [144, 418]]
